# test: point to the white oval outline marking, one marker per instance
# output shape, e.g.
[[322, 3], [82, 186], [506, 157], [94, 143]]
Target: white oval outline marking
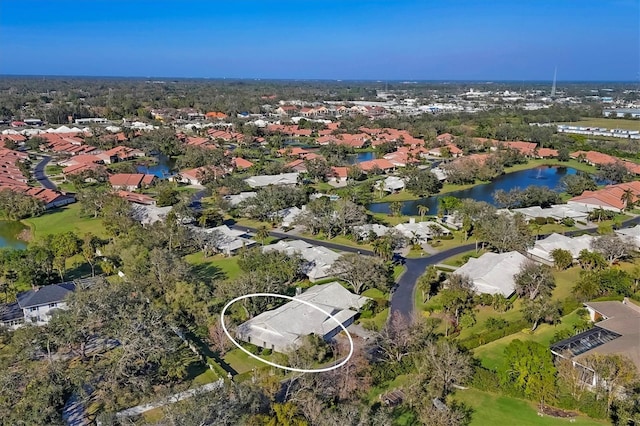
[[273, 364]]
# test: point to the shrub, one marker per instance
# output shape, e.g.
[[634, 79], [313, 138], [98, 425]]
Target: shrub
[[569, 305], [494, 323], [568, 222], [540, 220], [485, 380]]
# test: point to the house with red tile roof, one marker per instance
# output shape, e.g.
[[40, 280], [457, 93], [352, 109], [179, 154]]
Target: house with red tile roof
[[380, 163], [215, 115], [241, 163], [546, 153], [608, 198], [298, 165], [338, 176], [599, 159], [295, 151], [136, 198], [120, 153], [131, 181], [525, 148], [196, 176], [286, 110], [445, 138]]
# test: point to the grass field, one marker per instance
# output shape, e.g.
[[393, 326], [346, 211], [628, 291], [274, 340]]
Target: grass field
[[64, 219], [609, 123], [216, 266], [584, 167], [491, 410], [491, 354]]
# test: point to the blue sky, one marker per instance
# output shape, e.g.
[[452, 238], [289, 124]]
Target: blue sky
[[330, 39]]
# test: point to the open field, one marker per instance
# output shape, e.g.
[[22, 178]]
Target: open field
[[609, 123], [490, 409], [216, 266], [491, 354], [64, 219]]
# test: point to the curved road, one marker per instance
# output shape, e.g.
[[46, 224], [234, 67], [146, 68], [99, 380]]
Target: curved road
[[41, 176], [403, 296]]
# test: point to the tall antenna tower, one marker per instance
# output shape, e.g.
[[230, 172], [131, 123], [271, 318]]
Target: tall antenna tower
[[553, 86]]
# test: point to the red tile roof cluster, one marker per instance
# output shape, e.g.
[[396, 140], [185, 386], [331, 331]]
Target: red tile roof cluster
[[12, 178], [599, 159], [13, 138], [610, 195], [288, 129], [224, 135], [524, 148], [122, 153], [62, 143]]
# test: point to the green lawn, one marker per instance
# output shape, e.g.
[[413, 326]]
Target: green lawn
[[485, 312], [492, 410], [551, 162], [213, 266], [491, 354], [609, 123], [64, 219], [376, 322], [459, 259]]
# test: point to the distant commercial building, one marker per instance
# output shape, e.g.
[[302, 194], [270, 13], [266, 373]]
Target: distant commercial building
[[621, 112]]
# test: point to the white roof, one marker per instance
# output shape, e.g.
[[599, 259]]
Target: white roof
[[149, 214], [319, 260], [284, 326], [543, 248], [364, 230], [266, 180], [629, 232], [493, 273], [422, 230], [236, 199], [556, 211]]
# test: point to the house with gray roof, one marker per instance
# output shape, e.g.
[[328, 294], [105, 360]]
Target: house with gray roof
[[37, 305], [284, 328]]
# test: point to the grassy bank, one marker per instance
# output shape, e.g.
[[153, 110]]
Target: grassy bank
[[491, 409], [64, 219]]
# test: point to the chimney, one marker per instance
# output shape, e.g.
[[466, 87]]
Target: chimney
[[298, 291]]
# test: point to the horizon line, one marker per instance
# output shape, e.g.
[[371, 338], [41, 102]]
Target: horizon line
[[375, 80]]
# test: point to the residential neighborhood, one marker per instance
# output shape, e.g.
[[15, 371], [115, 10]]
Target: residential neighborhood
[[468, 252]]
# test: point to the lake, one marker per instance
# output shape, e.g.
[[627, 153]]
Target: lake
[[9, 231], [161, 169], [540, 176]]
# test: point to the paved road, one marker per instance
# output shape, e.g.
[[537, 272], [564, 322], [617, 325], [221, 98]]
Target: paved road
[[403, 296], [41, 176]]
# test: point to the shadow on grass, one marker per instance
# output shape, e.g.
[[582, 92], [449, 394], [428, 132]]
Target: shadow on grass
[[207, 272]]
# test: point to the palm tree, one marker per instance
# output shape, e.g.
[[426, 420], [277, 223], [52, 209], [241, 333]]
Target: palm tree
[[628, 198], [422, 211], [535, 226], [262, 233]]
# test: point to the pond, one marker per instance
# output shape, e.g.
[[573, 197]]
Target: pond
[[361, 156], [9, 231], [540, 176], [161, 169]]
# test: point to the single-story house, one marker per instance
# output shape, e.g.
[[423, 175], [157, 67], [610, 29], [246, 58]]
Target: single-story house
[[558, 212], [392, 184], [616, 331], [493, 273], [318, 260], [630, 234], [541, 251], [266, 180], [226, 240], [284, 328], [236, 199], [131, 181], [287, 216], [148, 214], [421, 232], [364, 231]]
